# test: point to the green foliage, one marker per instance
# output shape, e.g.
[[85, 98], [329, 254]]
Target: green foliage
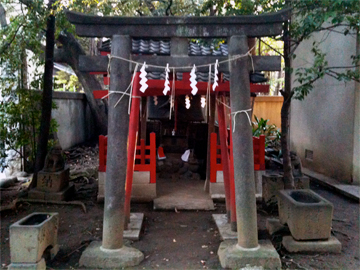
[[241, 7], [21, 51], [19, 121], [64, 80], [271, 132]]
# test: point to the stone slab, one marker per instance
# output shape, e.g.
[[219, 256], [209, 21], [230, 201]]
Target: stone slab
[[142, 189], [258, 182], [273, 225], [94, 256], [332, 245], [224, 227], [141, 177], [350, 191], [217, 191], [53, 181], [234, 257], [41, 265], [171, 203], [134, 227], [63, 195]]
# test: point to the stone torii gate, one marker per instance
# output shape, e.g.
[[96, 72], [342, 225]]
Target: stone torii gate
[[112, 253]]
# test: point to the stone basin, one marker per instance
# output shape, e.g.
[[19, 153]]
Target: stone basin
[[308, 215], [32, 235]]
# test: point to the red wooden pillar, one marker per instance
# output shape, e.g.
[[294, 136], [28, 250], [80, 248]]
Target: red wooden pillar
[[131, 151], [224, 155]]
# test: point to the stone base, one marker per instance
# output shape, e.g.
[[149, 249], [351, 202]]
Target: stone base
[[224, 227], [53, 181], [217, 191], [235, 257], [332, 245], [142, 189], [273, 225], [63, 195], [258, 183], [41, 265], [272, 183], [96, 257], [134, 227]]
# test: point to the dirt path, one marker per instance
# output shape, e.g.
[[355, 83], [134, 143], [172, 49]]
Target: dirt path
[[169, 239], [183, 240]]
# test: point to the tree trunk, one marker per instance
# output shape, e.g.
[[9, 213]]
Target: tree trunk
[[70, 54], [285, 121], [3, 22], [46, 102]]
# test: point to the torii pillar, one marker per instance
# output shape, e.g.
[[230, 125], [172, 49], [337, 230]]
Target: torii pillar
[[111, 252], [247, 250]]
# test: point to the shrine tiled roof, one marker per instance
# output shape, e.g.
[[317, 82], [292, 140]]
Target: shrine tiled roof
[[162, 47]]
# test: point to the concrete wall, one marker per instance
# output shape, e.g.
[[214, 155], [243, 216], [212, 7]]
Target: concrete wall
[[73, 117], [324, 122]]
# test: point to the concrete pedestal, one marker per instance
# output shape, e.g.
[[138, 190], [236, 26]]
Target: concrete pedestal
[[234, 257], [272, 183], [134, 227], [62, 195], [95, 256], [53, 181], [224, 227], [331, 245], [273, 225], [41, 265], [142, 189]]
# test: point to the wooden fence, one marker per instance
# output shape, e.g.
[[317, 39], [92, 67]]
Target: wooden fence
[[268, 107]]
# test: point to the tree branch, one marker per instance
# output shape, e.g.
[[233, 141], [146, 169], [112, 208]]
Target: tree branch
[[281, 54]]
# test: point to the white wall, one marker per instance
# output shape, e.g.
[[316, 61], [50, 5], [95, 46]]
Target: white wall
[[324, 122], [73, 117]]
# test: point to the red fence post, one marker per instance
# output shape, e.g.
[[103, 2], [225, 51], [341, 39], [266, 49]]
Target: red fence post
[[152, 158], [262, 152], [224, 154], [131, 150], [213, 146], [142, 151], [101, 153]]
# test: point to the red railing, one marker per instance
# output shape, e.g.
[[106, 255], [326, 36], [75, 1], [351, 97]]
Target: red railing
[[143, 153], [215, 155]]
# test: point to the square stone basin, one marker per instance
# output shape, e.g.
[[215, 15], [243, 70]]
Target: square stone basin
[[32, 235], [308, 215]]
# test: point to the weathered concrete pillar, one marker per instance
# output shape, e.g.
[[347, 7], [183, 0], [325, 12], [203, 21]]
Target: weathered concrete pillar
[[111, 253], [242, 145], [247, 251], [118, 128]]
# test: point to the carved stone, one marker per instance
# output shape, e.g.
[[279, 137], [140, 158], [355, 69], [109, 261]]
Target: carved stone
[[307, 214]]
